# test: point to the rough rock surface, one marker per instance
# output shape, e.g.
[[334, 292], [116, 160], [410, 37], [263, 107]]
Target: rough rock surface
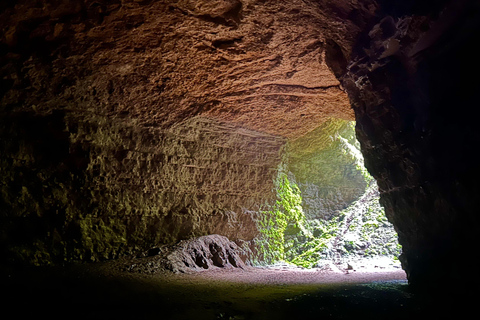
[[136, 187], [327, 166], [411, 76], [332, 201], [202, 253], [82, 79], [161, 62], [364, 231], [127, 124]]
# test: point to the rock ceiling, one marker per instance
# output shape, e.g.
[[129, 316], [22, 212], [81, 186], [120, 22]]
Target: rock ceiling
[[266, 65]]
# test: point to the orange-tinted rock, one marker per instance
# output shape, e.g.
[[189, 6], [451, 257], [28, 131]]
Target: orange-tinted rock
[[138, 123]]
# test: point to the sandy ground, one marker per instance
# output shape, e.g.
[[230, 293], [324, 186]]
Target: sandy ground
[[354, 290], [360, 271]]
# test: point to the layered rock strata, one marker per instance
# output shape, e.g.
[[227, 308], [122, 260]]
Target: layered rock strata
[[162, 62], [95, 189], [126, 124]]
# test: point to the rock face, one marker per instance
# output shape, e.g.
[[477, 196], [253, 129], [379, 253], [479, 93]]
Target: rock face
[[327, 206], [134, 186], [202, 253], [339, 199], [411, 76], [364, 231], [162, 62], [327, 166], [127, 124]]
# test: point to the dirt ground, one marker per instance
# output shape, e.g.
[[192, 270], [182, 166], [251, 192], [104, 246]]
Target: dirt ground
[[95, 291], [360, 271]]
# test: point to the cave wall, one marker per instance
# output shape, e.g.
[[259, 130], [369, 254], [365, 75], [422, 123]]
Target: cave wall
[[327, 166], [413, 93], [126, 124], [93, 189]]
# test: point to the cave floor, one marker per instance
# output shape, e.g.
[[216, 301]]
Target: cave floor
[[276, 292]]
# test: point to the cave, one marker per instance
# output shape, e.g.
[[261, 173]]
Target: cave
[[159, 135]]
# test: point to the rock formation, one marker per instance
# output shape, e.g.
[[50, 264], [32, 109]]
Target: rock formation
[[134, 123], [327, 166], [339, 199], [410, 77], [202, 253]]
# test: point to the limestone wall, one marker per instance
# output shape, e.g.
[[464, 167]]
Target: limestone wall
[[95, 189]]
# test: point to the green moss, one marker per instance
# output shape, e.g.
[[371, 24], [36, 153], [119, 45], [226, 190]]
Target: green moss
[[339, 211], [101, 239], [369, 228], [284, 217], [315, 248], [286, 236]]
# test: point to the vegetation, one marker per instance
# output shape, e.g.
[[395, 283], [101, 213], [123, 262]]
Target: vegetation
[[286, 236], [303, 238], [284, 217], [360, 230]]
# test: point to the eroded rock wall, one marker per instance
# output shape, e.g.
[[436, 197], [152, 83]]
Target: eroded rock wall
[[103, 149], [413, 93], [327, 166], [98, 188]]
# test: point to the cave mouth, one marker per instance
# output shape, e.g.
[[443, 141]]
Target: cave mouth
[[327, 214], [329, 250], [322, 214]]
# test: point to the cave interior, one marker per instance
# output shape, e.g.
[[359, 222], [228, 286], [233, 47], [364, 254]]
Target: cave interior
[[246, 129]]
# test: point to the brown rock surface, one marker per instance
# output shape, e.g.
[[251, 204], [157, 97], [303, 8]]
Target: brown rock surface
[[164, 61], [129, 124]]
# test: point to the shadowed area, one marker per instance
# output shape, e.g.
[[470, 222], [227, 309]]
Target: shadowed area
[[87, 292]]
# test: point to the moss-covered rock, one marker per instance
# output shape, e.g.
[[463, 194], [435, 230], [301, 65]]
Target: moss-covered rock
[[109, 187], [327, 204], [280, 222], [328, 167], [365, 230]]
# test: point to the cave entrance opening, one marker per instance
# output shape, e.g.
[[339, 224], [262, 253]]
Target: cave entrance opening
[[327, 213]]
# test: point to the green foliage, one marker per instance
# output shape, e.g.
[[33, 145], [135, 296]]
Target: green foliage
[[285, 233], [317, 247], [284, 217], [329, 156], [361, 229]]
